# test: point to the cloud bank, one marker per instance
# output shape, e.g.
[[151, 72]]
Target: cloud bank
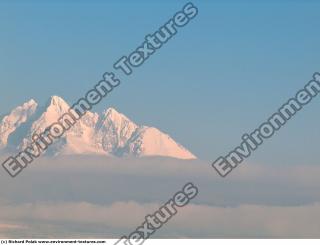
[[194, 221], [98, 197]]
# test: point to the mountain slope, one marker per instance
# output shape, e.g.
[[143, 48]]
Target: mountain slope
[[149, 141], [114, 130]]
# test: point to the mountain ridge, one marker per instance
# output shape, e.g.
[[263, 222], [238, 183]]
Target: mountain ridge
[[110, 133]]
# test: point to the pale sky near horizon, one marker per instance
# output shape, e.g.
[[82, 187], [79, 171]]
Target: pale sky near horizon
[[221, 76]]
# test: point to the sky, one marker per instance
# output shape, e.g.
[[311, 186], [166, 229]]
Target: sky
[[221, 76]]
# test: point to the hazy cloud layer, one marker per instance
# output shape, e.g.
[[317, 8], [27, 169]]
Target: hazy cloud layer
[[101, 197], [195, 221]]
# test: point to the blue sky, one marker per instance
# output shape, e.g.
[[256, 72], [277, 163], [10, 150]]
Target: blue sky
[[221, 76]]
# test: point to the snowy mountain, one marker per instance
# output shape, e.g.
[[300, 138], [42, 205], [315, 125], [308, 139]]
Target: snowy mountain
[[110, 133], [12, 121]]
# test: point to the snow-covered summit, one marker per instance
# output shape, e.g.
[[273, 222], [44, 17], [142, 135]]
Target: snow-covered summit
[[110, 133]]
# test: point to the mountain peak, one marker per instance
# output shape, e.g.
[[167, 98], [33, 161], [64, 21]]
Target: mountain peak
[[111, 110], [10, 122], [58, 104], [30, 103], [56, 100], [112, 114]]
